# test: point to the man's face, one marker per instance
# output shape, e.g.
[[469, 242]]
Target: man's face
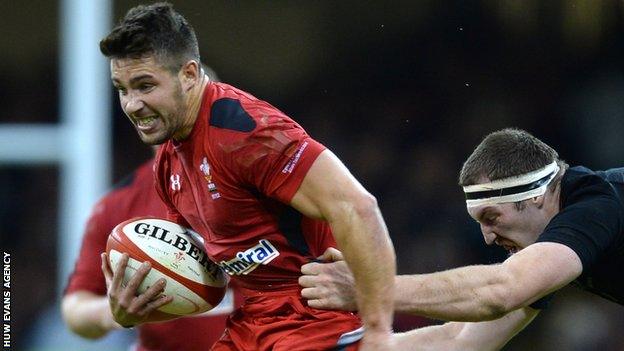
[[506, 226], [151, 96]]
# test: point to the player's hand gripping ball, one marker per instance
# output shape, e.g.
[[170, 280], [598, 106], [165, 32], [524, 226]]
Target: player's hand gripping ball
[[177, 255]]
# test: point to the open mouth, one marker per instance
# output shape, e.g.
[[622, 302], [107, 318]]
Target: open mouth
[[145, 121], [512, 249], [147, 124]]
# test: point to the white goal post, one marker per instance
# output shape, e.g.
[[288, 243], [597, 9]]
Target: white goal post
[[81, 143]]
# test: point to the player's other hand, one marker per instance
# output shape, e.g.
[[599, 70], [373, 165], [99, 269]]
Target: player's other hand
[[127, 306], [328, 285]]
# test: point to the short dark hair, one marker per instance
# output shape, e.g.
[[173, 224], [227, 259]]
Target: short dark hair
[[507, 153], [155, 29]]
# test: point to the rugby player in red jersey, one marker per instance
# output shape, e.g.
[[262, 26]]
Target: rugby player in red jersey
[[85, 306], [261, 192]]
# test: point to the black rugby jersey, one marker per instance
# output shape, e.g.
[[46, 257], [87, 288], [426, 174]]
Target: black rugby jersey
[[591, 222]]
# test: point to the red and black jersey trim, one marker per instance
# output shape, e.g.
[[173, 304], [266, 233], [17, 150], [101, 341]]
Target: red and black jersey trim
[[228, 113], [291, 227]]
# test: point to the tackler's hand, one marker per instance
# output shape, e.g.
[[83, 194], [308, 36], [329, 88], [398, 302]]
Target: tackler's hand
[[328, 285]]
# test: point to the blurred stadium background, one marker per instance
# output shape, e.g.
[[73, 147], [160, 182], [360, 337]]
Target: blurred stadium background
[[401, 91]]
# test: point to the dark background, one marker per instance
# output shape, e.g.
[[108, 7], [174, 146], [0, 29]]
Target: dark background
[[402, 91]]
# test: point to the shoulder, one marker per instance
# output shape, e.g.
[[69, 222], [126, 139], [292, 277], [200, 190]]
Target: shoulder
[[588, 195], [591, 219], [238, 112], [582, 186], [239, 123]]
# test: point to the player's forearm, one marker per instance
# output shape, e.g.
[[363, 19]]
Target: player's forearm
[[467, 336], [472, 293], [435, 337], [88, 314], [364, 240]]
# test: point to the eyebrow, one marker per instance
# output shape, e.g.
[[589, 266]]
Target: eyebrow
[[141, 77], [133, 80]]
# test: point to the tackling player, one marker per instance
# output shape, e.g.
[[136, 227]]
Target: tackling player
[[561, 225], [261, 192]]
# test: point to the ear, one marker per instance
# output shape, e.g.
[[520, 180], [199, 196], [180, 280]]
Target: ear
[[189, 75], [538, 201]]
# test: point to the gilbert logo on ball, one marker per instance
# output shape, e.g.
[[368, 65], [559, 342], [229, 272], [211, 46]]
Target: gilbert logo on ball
[[177, 255]]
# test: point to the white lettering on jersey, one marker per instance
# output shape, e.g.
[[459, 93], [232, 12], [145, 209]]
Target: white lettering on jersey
[[248, 260], [293, 160]]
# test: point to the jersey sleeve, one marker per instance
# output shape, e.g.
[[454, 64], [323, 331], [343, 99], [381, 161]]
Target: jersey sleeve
[[589, 227], [87, 273], [276, 159]]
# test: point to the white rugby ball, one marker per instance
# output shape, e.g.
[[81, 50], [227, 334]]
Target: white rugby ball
[[177, 255]]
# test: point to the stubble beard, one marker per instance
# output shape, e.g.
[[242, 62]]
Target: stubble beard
[[171, 124]]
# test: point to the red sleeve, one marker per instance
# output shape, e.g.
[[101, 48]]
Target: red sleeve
[[87, 273], [276, 159]]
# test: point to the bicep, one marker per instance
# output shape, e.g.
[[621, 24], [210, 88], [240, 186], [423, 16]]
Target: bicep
[[539, 270], [328, 189]]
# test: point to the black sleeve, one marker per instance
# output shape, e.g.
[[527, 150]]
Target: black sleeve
[[589, 227]]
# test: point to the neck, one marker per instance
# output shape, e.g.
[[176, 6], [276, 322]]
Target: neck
[[193, 102]]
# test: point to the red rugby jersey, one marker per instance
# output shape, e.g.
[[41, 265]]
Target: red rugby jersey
[[231, 181], [134, 197]]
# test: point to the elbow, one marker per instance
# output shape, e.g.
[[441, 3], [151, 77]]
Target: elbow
[[70, 313], [366, 206], [83, 332], [86, 334], [500, 301], [357, 206]]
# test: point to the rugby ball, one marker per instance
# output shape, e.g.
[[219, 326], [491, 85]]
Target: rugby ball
[[175, 254]]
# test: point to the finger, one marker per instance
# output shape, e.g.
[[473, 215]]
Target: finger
[[108, 273], [331, 255], [311, 293], [149, 295], [308, 281], [155, 304], [135, 281], [119, 272], [153, 291], [311, 268], [318, 303]]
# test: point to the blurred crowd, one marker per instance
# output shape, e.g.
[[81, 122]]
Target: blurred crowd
[[402, 93]]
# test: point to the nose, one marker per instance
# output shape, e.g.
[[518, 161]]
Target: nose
[[488, 234], [132, 104]]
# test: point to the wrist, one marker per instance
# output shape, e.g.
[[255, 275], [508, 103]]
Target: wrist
[[377, 323], [377, 328], [108, 322]]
